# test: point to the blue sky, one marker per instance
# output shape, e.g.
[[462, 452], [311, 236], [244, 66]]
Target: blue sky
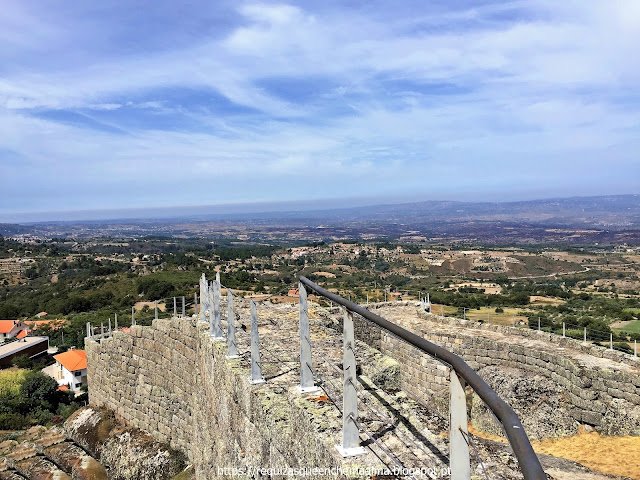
[[161, 103]]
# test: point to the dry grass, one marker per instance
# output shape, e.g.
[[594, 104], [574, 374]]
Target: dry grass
[[540, 300], [612, 455]]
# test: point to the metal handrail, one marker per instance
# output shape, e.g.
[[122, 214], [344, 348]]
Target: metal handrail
[[527, 458]]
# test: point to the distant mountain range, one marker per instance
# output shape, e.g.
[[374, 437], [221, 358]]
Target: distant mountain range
[[611, 213]]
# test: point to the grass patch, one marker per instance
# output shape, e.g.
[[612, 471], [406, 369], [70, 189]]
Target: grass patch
[[632, 327], [11, 380]]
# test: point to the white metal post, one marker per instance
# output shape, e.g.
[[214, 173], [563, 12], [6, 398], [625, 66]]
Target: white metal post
[[585, 334], [215, 330], [175, 308], [116, 322], [88, 330], [611, 341], [256, 366], [109, 329], [306, 375], [184, 306], [350, 436], [635, 348], [232, 348], [156, 309], [563, 330], [203, 296], [133, 316], [458, 446]]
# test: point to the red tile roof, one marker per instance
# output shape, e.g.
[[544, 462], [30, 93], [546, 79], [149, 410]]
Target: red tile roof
[[72, 360], [7, 325], [63, 388], [55, 323], [22, 333]]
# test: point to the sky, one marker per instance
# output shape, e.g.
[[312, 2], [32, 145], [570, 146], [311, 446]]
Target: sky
[[116, 105]]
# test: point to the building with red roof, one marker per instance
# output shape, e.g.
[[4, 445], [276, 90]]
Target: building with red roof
[[71, 368], [11, 329]]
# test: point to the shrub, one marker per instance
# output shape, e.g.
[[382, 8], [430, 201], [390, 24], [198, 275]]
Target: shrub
[[624, 346], [12, 421], [23, 361]]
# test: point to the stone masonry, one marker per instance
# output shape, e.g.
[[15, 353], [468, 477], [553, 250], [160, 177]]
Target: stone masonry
[[602, 387]]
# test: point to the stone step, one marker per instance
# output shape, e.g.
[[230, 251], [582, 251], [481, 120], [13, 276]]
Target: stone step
[[7, 446], [33, 433], [40, 468], [52, 437], [10, 475], [75, 461], [20, 453]]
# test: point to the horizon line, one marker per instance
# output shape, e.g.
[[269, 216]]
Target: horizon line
[[244, 208]]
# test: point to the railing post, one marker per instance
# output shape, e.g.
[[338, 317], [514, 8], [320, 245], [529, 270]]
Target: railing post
[[195, 303], [563, 330], [156, 310], [183, 306], [611, 341], [458, 446], [133, 316], [175, 308], [350, 436], [306, 375], [203, 295], [116, 322], [635, 348], [585, 334], [256, 366], [89, 330], [109, 328], [232, 348], [101, 330], [538, 323], [215, 327]]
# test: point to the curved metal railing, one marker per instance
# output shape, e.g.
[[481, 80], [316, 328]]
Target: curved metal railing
[[517, 437]]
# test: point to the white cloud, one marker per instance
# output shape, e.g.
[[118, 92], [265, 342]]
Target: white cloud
[[446, 92]]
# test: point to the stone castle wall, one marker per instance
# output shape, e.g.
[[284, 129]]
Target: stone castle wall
[[171, 380], [606, 398]]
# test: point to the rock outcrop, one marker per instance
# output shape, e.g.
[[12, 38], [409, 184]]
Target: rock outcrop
[[127, 452]]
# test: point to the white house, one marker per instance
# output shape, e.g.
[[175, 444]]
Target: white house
[[71, 369], [11, 328]]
